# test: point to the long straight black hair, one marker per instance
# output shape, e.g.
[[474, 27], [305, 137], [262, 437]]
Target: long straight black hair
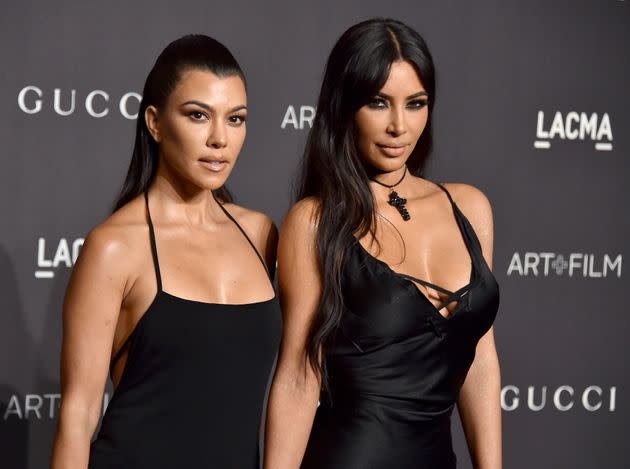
[[194, 51], [332, 171]]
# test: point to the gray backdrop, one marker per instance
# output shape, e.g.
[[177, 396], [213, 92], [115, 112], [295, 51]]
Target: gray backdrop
[[532, 108]]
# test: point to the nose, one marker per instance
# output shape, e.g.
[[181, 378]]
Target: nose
[[397, 124], [217, 137]]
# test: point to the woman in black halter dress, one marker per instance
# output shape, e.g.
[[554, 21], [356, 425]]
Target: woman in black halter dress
[[173, 292], [386, 287]]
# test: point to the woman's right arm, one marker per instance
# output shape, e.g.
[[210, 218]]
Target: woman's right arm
[[90, 314], [295, 389]]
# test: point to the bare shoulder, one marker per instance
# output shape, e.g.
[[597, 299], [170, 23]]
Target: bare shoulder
[[472, 202], [261, 230], [477, 209], [118, 240], [256, 224], [302, 218], [297, 257]]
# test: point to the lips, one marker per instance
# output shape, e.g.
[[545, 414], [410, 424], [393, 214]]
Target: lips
[[215, 165], [393, 150]]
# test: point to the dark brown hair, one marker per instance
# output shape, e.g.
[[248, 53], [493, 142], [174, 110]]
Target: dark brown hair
[[194, 51], [332, 171]]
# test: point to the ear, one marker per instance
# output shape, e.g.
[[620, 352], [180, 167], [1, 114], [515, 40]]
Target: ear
[[151, 120]]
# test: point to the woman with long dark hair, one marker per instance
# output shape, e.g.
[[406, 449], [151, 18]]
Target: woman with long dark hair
[[172, 294], [386, 290]]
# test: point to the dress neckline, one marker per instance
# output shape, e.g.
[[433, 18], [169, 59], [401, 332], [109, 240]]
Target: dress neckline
[[457, 295], [156, 262], [414, 282], [209, 303]]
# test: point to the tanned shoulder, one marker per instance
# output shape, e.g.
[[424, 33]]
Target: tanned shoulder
[[476, 207], [302, 217], [260, 228], [114, 245]]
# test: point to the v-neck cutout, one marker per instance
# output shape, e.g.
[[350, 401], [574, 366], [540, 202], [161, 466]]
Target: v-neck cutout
[[461, 292], [451, 296]]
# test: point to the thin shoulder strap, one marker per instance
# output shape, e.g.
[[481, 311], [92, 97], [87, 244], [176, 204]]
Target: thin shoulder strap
[[129, 340], [448, 194], [470, 237], [154, 253], [262, 261]]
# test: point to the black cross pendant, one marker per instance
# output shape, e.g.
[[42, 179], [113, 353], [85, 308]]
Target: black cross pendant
[[399, 203]]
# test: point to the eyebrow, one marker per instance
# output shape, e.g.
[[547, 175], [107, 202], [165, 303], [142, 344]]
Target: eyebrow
[[209, 108], [411, 96]]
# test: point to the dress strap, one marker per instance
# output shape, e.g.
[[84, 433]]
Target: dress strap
[[455, 296], [448, 194], [426, 284], [468, 232], [154, 253], [229, 215], [129, 340]]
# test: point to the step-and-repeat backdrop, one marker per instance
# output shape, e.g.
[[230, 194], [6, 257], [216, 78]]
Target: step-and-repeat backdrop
[[532, 107]]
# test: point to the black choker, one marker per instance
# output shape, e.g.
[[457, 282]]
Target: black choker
[[395, 200]]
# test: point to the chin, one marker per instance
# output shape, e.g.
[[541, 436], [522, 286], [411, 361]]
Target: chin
[[215, 185], [387, 165], [211, 183]]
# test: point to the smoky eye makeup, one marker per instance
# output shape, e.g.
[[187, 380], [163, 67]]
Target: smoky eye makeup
[[378, 102], [417, 103]]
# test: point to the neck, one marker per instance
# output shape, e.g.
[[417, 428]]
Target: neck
[[394, 178], [180, 201]]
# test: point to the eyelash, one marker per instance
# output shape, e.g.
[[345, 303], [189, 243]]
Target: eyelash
[[379, 103], [199, 116], [417, 104], [241, 118]]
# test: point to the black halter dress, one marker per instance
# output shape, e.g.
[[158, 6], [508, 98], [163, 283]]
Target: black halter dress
[[396, 365], [192, 390]]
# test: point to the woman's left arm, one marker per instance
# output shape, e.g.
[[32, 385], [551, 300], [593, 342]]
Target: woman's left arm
[[479, 399], [479, 406]]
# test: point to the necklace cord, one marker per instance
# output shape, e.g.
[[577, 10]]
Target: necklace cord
[[391, 186], [395, 200]]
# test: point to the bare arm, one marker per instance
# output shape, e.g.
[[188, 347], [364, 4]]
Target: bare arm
[[479, 406], [479, 400], [296, 387], [90, 314]]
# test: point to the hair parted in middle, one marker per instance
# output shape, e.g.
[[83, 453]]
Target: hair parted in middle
[[332, 171]]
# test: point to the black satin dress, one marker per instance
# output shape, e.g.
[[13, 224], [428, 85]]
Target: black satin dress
[[397, 365]]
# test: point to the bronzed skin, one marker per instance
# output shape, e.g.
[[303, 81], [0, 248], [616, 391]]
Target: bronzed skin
[[202, 255], [388, 128]]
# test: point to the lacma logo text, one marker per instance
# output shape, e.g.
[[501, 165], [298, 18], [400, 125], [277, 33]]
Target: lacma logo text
[[65, 254], [574, 126]]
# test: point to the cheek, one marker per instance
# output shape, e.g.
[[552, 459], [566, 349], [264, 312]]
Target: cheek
[[181, 142], [180, 136], [418, 122], [369, 127], [236, 138]]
